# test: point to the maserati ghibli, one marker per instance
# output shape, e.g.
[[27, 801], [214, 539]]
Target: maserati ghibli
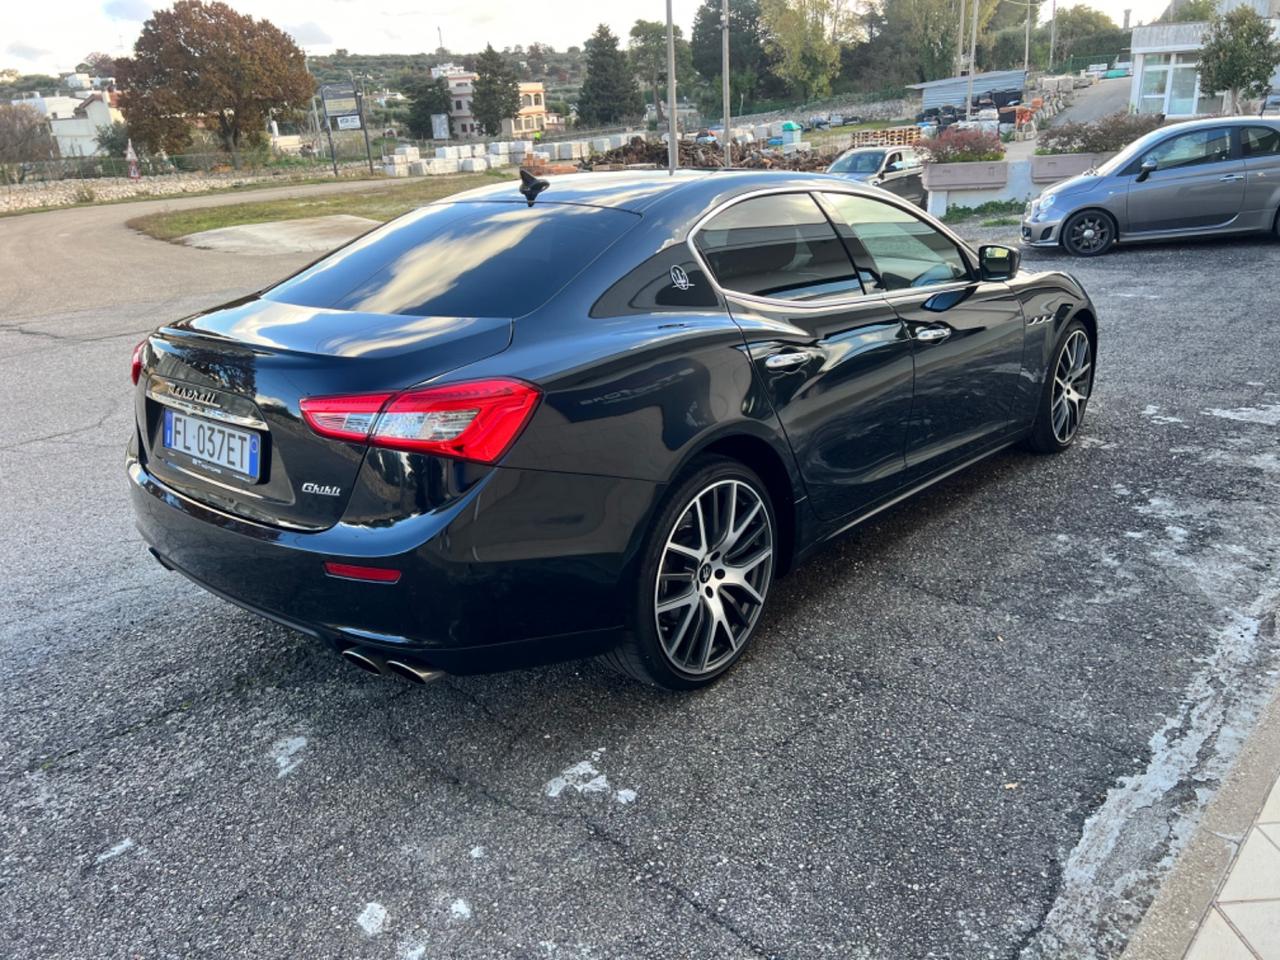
[[593, 415]]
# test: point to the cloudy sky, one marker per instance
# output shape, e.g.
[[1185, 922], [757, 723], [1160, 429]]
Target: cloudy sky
[[53, 37]]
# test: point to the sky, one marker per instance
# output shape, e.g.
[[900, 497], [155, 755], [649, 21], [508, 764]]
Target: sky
[[53, 37]]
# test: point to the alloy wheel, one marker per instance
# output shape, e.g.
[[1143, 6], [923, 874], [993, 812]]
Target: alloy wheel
[[1072, 381], [1089, 233], [713, 576]]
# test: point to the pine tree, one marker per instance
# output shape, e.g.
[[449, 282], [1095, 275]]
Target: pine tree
[[497, 92], [609, 91]]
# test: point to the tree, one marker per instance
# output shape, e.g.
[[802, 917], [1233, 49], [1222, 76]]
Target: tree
[[205, 63], [748, 60], [1195, 11], [609, 92], [804, 36], [113, 138], [497, 94], [648, 52], [100, 64], [427, 95], [1239, 56], [24, 137], [1085, 30]]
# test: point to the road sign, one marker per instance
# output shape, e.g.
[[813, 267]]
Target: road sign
[[339, 100], [348, 123], [439, 126]]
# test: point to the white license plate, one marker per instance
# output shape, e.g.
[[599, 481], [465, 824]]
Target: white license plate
[[212, 443]]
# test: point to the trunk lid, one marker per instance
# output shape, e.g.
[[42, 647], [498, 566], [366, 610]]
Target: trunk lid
[[244, 368]]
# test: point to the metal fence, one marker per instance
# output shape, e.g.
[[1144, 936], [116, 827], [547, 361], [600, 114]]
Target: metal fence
[[206, 164]]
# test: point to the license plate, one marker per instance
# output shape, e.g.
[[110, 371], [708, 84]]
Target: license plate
[[214, 445]]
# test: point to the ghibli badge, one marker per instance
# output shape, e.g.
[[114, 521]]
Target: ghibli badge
[[321, 489]]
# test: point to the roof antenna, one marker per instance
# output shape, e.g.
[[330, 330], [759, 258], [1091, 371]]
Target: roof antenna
[[531, 186]]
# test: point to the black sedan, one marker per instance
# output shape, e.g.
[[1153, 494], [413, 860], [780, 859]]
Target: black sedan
[[597, 416]]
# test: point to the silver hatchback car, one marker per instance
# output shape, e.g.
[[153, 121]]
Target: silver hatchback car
[[1200, 178]]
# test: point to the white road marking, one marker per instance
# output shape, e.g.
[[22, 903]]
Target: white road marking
[[372, 919], [285, 753], [123, 846]]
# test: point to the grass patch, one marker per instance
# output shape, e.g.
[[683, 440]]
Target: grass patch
[[381, 204], [1001, 209], [1001, 222]]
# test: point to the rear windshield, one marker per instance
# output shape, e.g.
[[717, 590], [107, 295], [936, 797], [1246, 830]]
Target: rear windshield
[[477, 259]]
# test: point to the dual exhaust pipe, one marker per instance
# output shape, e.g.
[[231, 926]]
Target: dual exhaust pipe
[[406, 671]]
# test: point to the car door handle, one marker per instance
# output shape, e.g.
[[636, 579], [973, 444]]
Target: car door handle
[[785, 361], [933, 334], [1231, 176]]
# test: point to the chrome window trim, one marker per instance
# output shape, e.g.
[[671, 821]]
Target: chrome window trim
[[965, 250]]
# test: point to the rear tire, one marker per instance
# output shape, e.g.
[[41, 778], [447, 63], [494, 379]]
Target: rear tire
[[1090, 233], [1065, 395], [705, 574]]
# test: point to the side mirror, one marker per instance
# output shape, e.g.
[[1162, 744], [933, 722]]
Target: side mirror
[[1149, 166], [998, 263]]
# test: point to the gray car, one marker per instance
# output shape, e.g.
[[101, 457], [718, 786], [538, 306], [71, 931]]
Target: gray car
[[1200, 178], [896, 169]]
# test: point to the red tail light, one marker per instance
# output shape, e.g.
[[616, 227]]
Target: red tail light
[[356, 571], [136, 370], [477, 420]]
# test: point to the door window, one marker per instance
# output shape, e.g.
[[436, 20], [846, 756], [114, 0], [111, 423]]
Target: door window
[[1260, 141], [895, 250], [1189, 149], [780, 246]]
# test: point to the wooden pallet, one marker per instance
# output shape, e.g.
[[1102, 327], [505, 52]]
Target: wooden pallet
[[889, 137]]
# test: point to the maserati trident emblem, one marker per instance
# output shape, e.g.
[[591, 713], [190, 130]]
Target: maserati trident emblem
[[680, 279], [194, 395]]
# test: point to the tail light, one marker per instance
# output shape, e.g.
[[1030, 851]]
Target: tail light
[[476, 420], [136, 368]]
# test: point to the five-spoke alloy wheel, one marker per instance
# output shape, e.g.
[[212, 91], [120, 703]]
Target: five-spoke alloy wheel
[[705, 576]]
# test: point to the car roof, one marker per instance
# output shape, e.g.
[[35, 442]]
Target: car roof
[[1217, 122], [657, 192]]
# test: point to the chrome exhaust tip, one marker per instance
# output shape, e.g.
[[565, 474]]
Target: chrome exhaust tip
[[418, 675], [358, 659]]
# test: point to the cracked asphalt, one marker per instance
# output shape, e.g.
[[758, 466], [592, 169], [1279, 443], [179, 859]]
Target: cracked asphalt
[[981, 726]]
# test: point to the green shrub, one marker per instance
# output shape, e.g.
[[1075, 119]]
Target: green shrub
[[963, 146], [1107, 135]]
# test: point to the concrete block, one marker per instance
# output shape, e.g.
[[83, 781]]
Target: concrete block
[[541, 156], [395, 169], [447, 165], [479, 149], [601, 145], [473, 165], [445, 153], [761, 131], [420, 168], [499, 160], [617, 140], [408, 151], [499, 147]]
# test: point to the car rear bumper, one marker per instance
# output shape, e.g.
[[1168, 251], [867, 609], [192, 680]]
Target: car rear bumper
[[529, 567]]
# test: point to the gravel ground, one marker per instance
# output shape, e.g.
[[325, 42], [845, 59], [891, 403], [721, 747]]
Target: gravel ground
[[979, 727]]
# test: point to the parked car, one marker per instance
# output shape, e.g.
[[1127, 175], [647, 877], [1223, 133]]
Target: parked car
[[1200, 178], [598, 416], [896, 169]]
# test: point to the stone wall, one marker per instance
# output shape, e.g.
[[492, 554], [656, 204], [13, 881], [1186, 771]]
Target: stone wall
[[64, 193]]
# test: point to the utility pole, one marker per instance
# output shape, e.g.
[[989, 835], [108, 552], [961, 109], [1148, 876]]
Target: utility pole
[[673, 144], [960, 42], [724, 76], [1026, 47], [973, 62], [364, 123], [1053, 32]]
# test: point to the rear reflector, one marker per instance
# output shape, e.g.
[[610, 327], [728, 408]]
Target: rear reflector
[[476, 420], [136, 369], [354, 571]]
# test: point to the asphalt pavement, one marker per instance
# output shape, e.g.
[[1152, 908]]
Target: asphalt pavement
[[981, 726]]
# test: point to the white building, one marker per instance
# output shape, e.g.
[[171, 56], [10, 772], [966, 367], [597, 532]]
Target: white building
[[77, 135], [461, 90], [1166, 57]]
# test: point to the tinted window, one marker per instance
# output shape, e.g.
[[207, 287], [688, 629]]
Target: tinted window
[[895, 250], [1189, 149], [857, 163], [460, 260], [1259, 141], [781, 246]]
